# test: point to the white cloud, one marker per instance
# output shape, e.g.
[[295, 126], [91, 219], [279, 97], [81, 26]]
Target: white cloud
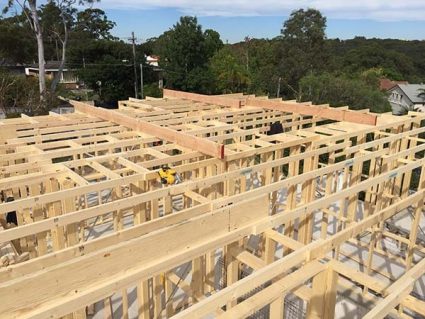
[[392, 10]]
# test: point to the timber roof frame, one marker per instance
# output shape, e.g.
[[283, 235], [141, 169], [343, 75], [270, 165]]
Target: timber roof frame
[[72, 174]]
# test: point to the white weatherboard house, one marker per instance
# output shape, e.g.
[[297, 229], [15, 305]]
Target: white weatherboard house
[[68, 77], [407, 97]]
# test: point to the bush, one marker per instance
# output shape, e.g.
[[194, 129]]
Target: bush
[[152, 90], [341, 91], [20, 94]]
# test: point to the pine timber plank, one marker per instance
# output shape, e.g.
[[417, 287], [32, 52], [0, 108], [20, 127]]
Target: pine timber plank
[[211, 99], [289, 107], [185, 140]]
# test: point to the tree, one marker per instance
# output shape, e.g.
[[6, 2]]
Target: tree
[[16, 40], [19, 94], [30, 10], [57, 18], [91, 37], [94, 24], [185, 53], [213, 42], [341, 91], [395, 65], [229, 74], [304, 49], [112, 81], [6, 83], [66, 15], [107, 71], [261, 64]]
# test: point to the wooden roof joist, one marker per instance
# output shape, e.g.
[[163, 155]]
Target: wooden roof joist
[[288, 214], [210, 99], [111, 259], [45, 198], [288, 107], [185, 140], [317, 111]]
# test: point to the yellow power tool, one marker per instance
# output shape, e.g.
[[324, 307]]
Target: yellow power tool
[[168, 176]]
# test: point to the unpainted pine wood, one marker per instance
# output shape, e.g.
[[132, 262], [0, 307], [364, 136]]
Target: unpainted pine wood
[[322, 304]]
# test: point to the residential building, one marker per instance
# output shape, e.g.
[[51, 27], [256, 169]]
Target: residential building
[[68, 77], [152, 60], [407, 97]]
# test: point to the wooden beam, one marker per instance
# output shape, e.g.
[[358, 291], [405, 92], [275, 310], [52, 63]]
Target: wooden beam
[[192, 142], [210, 99], [397, 292], [45, 164], [316, 249], [391, 301], [289, 107], [414, 304], [102, 269], [275, 291], [314, 110]]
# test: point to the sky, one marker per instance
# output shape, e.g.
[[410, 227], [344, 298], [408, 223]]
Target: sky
[[236, 19]]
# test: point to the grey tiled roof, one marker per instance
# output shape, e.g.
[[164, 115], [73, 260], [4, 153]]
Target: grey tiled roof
[[413, 92]]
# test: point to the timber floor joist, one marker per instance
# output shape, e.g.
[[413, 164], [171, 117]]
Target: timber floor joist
[[256, 219]]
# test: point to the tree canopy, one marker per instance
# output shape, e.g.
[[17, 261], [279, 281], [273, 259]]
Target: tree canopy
[[300, 63], [185, 54], [303, 49]]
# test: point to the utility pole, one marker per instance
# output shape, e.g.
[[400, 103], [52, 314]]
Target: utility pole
[[141, 80], [247, 39], [278, 88], [133, 40]]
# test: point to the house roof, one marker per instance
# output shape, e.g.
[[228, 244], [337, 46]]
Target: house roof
[[49, 65], [413, 92], [386, 84]]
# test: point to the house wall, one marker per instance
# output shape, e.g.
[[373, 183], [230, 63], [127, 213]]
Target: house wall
[[399, 101], [67, 77]]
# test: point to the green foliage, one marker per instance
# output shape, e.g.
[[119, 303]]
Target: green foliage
[[230, 75], [311, 67], [303, 48], [19, 94], [212, 42], [374, 56], [17, 43], [110, 78], [53, 29], [93, 24], [341, 91], [372, 76], [96, 51], [399, 59], [185, 51], [259, 56], [152, 90], [85, 28]]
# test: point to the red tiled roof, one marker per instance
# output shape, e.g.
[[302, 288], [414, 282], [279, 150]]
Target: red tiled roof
[[386, 84]]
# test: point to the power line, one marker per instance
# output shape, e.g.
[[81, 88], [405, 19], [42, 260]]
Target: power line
[[155, 68]]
